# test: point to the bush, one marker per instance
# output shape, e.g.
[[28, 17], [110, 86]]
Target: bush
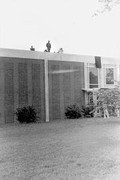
[[73, 112], [110, 97], [88, 111], [26, 114]]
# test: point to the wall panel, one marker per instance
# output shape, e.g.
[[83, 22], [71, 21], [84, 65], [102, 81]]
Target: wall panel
[[78, 84], [36, 90], [66, 80], [23, 86], [55, 93], [66, 84], [9, 91]]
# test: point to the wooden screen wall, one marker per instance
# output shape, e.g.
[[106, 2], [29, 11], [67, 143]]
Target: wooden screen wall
[[66, 80], [22, 82]]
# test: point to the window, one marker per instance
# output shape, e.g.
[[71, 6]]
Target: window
[[109, 75], [93, 77]]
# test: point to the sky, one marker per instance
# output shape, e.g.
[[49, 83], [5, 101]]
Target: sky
[[68, 24]]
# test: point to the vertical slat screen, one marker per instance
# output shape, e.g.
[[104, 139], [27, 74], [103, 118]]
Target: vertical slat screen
[[23, 84], [9, 92]]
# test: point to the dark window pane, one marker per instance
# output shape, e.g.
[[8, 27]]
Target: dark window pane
[[93, 85], [93, 77]]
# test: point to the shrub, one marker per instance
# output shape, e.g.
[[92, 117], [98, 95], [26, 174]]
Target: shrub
[[88, 111], [73, 112], [111, 97], [26, 114]]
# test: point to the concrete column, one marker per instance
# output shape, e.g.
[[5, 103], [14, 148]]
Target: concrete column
[[118, 73], [2, 115], [86, 81], [85, 76], [46, 92], [61, 95]]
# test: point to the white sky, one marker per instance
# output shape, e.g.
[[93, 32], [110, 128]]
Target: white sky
[[66, 23]]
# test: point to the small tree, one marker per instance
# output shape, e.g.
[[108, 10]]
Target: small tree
[[106, 6], [110, 97]]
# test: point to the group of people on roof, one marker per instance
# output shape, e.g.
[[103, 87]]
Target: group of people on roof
[[48, 46]]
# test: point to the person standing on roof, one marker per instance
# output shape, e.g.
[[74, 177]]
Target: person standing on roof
[[48, 45]]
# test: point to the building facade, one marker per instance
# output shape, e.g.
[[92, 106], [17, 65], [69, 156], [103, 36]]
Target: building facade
[[50, 81]]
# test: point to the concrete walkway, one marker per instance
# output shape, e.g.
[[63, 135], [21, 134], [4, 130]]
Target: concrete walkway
[[85, 149]]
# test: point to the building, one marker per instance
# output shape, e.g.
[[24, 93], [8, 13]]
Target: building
[[50, 81]]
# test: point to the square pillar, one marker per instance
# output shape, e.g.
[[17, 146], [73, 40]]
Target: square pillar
[[46, 92]]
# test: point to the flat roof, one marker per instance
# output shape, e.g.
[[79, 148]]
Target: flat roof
[[54, 56]]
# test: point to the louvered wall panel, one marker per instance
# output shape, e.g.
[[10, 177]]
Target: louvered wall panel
[[9, 92], [66, 84], [78, 84], [66, 80], [55, 93], [23, 86], [36, 90]]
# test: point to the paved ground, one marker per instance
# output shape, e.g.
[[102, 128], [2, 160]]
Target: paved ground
[[86, 149]]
